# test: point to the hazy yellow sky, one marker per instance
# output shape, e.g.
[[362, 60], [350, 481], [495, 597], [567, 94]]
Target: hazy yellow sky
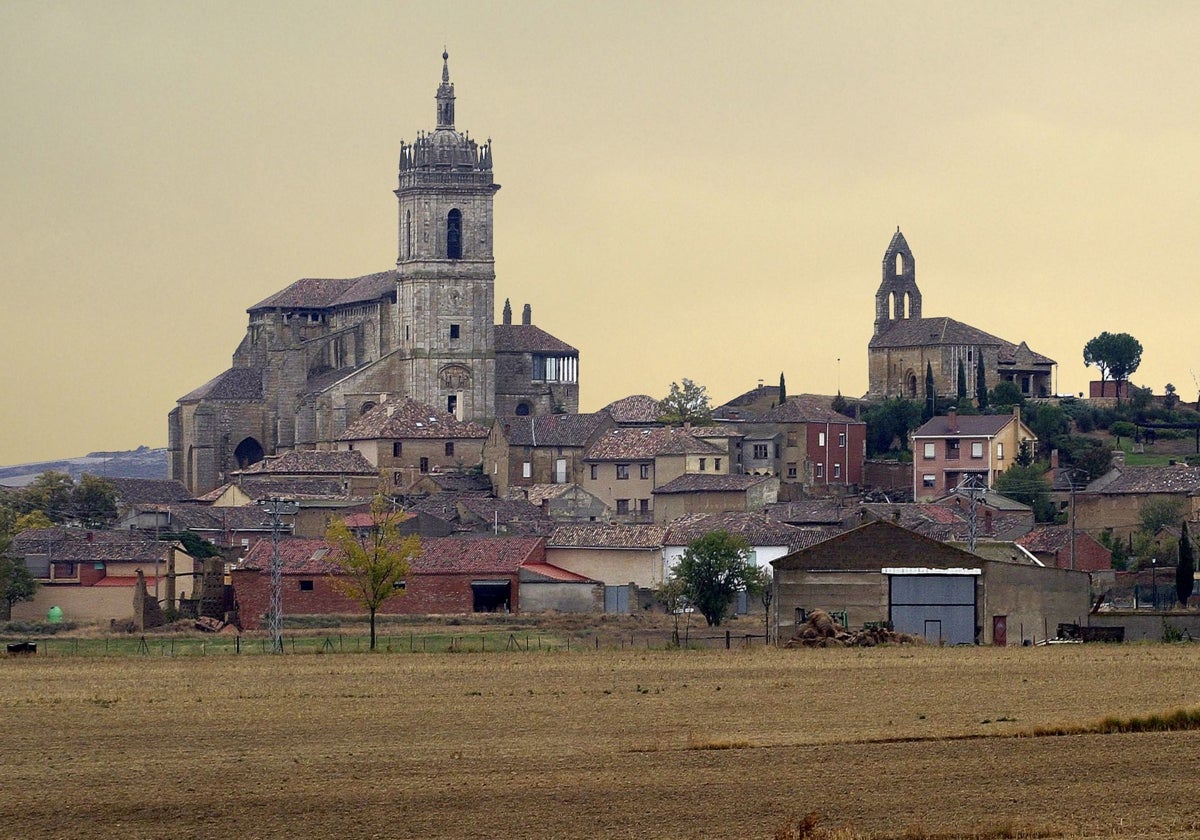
[[699, 190]]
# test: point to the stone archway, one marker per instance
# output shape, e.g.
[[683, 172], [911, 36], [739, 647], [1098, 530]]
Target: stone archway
[[248, 452]]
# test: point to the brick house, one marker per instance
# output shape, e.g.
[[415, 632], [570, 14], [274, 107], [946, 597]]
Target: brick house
[[523, 451], [948, 448], [452, 575], [405, 440], [1052, 545], [91, 575]]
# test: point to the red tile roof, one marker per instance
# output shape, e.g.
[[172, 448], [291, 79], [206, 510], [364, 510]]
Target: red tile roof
[[644, 444], [526, 338], [711, 483], [312, 462], [407, 419]]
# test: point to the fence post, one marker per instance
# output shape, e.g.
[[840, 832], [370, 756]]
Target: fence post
[[727, 637]]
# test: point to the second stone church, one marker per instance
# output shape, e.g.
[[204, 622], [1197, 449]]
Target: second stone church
[[321, 352]]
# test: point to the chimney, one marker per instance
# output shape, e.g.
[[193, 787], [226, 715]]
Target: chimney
[[1053, 459], [952, 421], [527, 315]]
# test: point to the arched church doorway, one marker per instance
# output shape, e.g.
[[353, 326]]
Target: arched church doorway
[[248, 452]]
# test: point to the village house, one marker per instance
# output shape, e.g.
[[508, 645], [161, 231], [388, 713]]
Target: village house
[[697, 493], [91, 575], [949, 448], [523, 451], [621, 556], [405, 440], [1056, 546], [1114, 502]]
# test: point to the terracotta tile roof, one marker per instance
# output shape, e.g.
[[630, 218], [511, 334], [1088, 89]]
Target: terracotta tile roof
[[78, 545], [1047, 538], [407, 419], [807, 408], [711, 483], [756, 528], [536, 494], [944, 523], [478, 555], [460, 482], [807, 512], [233, 385], [633, 410], [296, 557], [296, 487], [720, 431], [134, 491], [1173, 479], [966, 425], [551, 572], [318, 293], [526, 338], [473, 510], [197, 517], [608, 536], [574, 430], [311, 462], [922, 332], [627, 444]]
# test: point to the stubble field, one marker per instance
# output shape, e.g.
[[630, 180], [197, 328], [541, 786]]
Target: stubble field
[[623, 744]]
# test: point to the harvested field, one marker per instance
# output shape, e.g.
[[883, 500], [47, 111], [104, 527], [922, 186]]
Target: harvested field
[[880, 741]]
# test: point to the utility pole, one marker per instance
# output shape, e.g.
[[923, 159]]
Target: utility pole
[[970, 485], [276, 508], [1071, 479]]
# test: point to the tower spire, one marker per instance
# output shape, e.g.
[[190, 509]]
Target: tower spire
[[445, 95]]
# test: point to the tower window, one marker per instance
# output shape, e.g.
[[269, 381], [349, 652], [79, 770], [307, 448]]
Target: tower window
[[408, 234], [454, 331], [454, 235], [452, 404], [522, 409]]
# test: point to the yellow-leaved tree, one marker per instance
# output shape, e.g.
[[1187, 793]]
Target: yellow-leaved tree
[[372, 559]]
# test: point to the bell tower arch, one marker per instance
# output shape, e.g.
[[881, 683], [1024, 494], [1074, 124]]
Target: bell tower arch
[[898, 297]]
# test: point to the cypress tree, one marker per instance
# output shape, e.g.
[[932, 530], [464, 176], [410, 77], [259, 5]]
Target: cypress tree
[[980, 380], [782, 389], [930, 393], [962, 380], [1185, 570]]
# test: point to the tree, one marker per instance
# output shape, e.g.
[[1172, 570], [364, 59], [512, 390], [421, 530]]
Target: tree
[[1028, 486], [16, 583], [372, 562], [34, 520], [838, 403], [981, 390], [888, 424], [1185, 570], [670, 594], [1005, 395], [1116, 355], [930, 394], [962, 380], [760, 584], [1156, 513], [50, 493], [94, 501], [686, 403], [782, 389], [712, 571]]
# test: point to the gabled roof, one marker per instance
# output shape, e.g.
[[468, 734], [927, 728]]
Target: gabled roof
[[807, 512], [526, 338], [1178, 479], [134, 491], [711, 483], [547, 571], [627, 444], [642, 537], [755, 528], [875, 546], [240, 383], [320, 293], [407, 419], [439, 556], [574, 430], [807, 408], [80, 545], [297, 487], [311, 462], [923, 332], [638, 409], [966, 425]]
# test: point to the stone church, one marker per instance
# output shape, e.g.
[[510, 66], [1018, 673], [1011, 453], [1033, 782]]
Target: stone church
[[321, 352], [904, 342]]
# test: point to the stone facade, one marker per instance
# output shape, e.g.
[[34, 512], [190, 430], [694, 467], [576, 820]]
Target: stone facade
[[905, 342], [322, 352]]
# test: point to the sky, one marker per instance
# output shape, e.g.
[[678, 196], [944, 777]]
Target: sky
[[690, 189]]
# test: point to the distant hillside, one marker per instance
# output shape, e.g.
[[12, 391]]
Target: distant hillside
[[142, 462]]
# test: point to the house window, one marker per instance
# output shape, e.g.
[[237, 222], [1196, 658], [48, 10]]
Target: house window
[[703, 464], [928, 480], [397, 448], [449, 447], [842, 439], [424, 465], [837, 470], [622, 472], [622, 506], [760, 451], [453, 331], [976, 449], [952, 450], [644, 471], [644, 505], [595, 468], [560, 471], [791, 469], [526, 469], [820, 470], [820, 438], [717, 464], [306, 586], [999, 451], [930, 450], [454, 235]]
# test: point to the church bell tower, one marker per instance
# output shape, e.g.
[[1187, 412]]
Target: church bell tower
[[445, 266], [898, 296]]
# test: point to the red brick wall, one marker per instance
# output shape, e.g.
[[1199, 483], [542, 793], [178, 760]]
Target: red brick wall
[[425, 594]]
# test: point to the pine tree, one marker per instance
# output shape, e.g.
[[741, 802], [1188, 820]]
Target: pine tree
[[1185, 571]]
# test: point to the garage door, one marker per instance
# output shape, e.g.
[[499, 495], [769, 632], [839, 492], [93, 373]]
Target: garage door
[[935, 605]]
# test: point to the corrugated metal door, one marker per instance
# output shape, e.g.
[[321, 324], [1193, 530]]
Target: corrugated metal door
[[941, 605], [616, 599]]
